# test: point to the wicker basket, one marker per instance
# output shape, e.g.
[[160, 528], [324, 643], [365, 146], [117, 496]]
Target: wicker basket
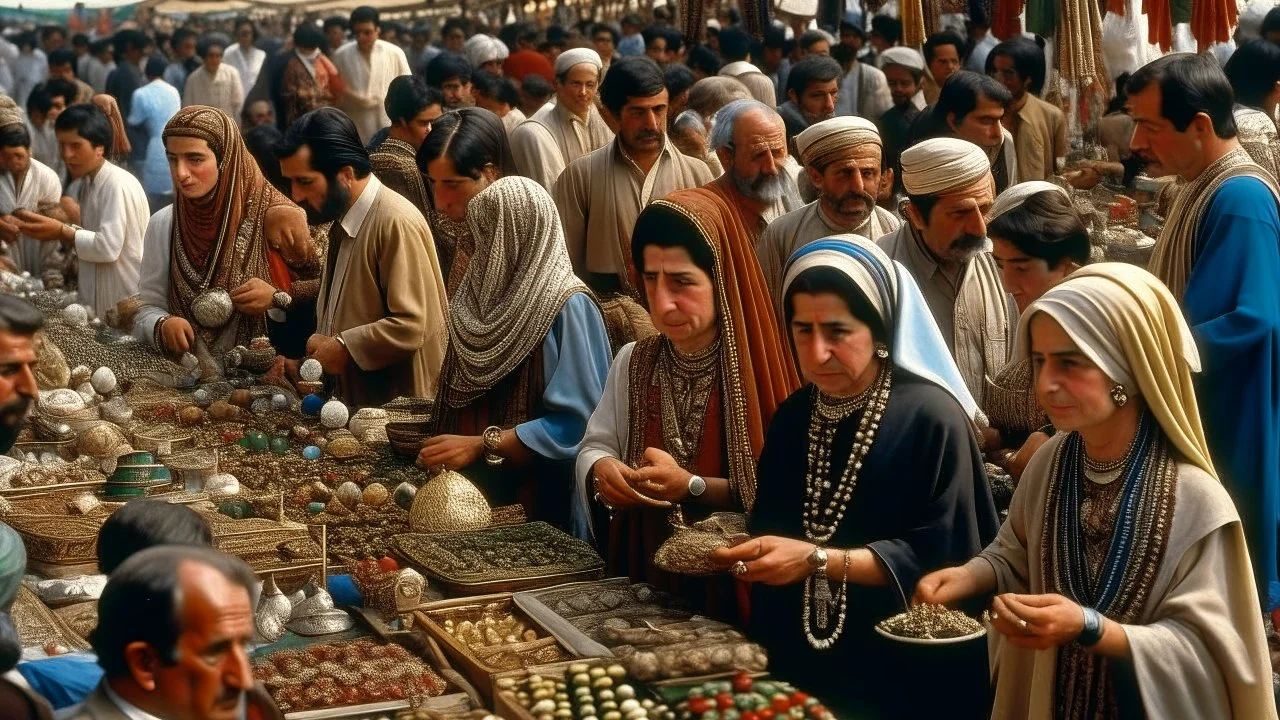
[[58, 539], [406, 438]]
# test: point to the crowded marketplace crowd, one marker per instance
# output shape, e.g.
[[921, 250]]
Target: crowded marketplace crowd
[[723, 363]]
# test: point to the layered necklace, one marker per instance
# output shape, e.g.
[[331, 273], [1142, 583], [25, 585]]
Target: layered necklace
[[826, 501], [685, 383]]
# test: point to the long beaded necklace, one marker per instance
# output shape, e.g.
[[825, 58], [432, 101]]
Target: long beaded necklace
[[825, 505], [685, 388]]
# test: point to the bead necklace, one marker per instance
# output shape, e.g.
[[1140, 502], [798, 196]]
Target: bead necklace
[[823, 511], [1103, 473], [685, 389]]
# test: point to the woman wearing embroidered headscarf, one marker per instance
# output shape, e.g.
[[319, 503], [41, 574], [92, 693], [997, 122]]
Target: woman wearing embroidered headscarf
[[224, 256], [527, 358], [870, 477], [1124, 583], [1038, 239], [684, 413]]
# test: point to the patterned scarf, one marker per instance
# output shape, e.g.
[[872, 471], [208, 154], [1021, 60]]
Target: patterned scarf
[[218, 239], [516, 282], [1176, 249], [1120, 587]]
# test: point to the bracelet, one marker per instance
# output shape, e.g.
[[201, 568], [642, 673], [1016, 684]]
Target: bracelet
[[846, 567], [155, 332], [491, 438], [1093, 628]]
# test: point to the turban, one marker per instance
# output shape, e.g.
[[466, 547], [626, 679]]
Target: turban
[[904, 56], [481, 49], [10, 113], [577, 56], [838, 134], [1014, 196], [13, 563], [941, 165]]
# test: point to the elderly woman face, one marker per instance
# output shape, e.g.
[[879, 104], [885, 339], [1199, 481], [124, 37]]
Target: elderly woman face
[[1072, 390], [681, 298], [834, 348], [193, 166]]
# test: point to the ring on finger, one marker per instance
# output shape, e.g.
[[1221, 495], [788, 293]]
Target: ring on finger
[[739, 569]]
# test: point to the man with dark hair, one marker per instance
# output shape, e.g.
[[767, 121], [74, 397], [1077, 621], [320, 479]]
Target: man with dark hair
[[100, 65], [815, 42], [146, 523], [1039, 129], [25, 183], [185, 58], [412, 106], [604, 38], [812, 93], [679, 82], [500, 96], [154, 104], [981, 42], [450, 73], [367, 67], [886, 32], [702, 61], [244, 56], [62, 66], [381, 309], [113, 211], [863, 91], [1270, 29], [52, 37], [662, 44], [601, 194], [942, 53], [128, 77], [20, 321], [174, 627], [335, 34], [735, 47], [44, 104], [454, 34], [1218, 255], [420, 50], [632, 42], [970, 107], [558, 134], [80, 44], [774, 62], [309, 80], [904, 72], [535, 92]]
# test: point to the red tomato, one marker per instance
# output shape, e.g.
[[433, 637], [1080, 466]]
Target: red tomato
[[742, 682], [767, 714], [724, 701], [749, 715], [798, 698], [780, 703], [699, 705], [818, 712], [388, 564]]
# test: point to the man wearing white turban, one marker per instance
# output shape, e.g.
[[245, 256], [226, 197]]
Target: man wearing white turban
[[565, 130], [844, 160], [944, 245], [485, 52]]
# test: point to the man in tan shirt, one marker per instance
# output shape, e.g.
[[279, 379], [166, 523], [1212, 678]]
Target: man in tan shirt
[[380, 315], [601, 194], [1039, 129]]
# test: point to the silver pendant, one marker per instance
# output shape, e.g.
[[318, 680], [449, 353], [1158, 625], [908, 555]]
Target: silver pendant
[[823, 603], [212, 308]]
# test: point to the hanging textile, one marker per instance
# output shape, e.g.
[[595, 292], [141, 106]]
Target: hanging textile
[[1042, 17], [1212, 21], [1159, 23], [1180, 11], [932, 18], [1006, 18], [1079, 46], [1117, 7], [913, 31], [755, 17], [691, 14]]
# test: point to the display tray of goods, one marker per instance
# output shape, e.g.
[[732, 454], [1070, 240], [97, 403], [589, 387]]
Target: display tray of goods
[[500, 559], [931, 625], [651, 633], [741, 697], [352, 677], [576, 690], [489, 634]]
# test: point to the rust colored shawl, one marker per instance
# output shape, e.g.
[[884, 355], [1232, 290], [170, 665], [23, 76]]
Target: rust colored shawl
[[756, 370]]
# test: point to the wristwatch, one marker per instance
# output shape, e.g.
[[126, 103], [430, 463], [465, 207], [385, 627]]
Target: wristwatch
[[282, 300], [492, 437], [818, 560], [1093, 628], [697, 486]]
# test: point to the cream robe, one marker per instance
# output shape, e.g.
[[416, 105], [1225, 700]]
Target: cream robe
[[977, 318], [114, 214], [601, 194], [246, 62], [800, 227], [545, 144], [223, 90], [383, 293], [1199, 651], [40, 186], [367, 80]]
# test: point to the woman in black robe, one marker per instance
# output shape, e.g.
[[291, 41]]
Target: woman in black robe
[[836, 549]]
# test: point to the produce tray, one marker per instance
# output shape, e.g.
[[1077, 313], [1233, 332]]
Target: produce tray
[[450, 558], [509, 708], [477, 665]]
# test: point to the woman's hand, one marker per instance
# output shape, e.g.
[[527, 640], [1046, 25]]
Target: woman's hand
[[176, 336], [615, 483], [452, 451], [253, 297], [771, 560], [661, 477], [946, 586], [1016, 463], [288, 234], [1037, 622]]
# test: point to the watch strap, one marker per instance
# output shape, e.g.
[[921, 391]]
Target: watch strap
[[1092, 632]]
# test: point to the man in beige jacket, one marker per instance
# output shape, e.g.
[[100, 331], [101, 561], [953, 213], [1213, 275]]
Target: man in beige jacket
[[380, 314]]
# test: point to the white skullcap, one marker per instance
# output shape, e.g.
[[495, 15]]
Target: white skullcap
[[713, 23], [481, 49], [904, 56], [835, 135], [1013, 196], [941, 165], [577, 56]]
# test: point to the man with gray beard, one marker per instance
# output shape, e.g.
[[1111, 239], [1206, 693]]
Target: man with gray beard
[[844, 159], [950, 190], [750, 141]]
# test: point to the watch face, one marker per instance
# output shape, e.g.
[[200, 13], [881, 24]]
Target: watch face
[[697, 486]]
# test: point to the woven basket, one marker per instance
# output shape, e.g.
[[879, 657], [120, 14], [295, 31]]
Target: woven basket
[[58, 539], [406, 438]]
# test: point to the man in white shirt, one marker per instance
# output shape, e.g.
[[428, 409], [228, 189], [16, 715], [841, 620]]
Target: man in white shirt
[[44, 104], [244, 56], [25, 183], [368, 66], [113, 210]]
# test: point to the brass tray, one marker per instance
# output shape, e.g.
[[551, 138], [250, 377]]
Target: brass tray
[[481, 664], [58, 539], [551, 557]]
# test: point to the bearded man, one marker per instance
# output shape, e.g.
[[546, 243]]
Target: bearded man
[[750, 141]]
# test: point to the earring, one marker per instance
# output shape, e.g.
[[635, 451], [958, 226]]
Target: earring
[[1118, 396], [882, 351]]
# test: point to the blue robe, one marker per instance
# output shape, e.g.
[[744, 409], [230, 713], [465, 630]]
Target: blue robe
[[1232, 303]]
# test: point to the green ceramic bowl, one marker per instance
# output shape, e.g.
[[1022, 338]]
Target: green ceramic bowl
[[135, 458]]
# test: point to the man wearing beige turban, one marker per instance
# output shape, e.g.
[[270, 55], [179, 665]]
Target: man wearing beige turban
[[844, 160], [949, 191], [565, 130]]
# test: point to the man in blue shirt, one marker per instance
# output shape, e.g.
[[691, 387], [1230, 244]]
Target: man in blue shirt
[[152, 107]]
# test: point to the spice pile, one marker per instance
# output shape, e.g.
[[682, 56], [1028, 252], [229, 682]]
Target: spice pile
[[930, 622]]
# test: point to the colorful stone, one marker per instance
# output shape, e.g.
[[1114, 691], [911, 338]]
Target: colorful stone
[[311, 452]]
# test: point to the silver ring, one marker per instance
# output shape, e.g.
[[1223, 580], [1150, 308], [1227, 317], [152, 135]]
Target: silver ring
[[739, 569], [1022, 623]]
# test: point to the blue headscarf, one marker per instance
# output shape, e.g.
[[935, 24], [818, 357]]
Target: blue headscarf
[[916, 345]]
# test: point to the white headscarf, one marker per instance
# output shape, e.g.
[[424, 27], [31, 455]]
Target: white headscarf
[[835, 135], [481, 49], [940, 165], [1013, 196], [577, 56]]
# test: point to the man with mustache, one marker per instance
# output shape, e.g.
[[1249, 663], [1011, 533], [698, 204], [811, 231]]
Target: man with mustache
[[601, 194], [380, 312], [844, 159], [944, 245], [750, 140], [19, 323]]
